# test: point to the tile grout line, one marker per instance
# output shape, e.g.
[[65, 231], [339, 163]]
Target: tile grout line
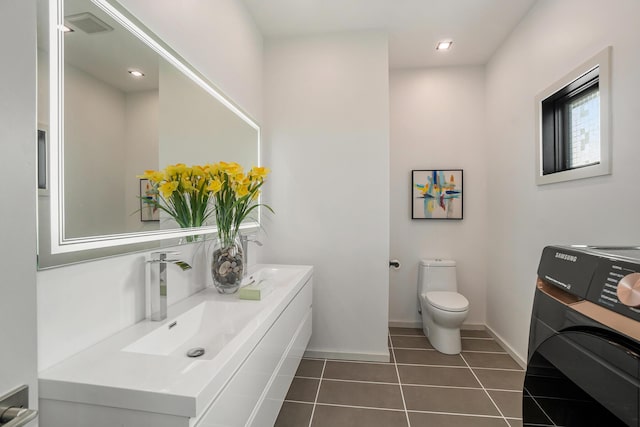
[[304, 402], [366, 362], [342, 380], [341, 405], [538, 405], [395, 365], [464, 338], [315, 402], [458, 414], [410, 384], [498, 369], [500, 415], [486, 392], [418, 411], [464, 351], [458, 366]]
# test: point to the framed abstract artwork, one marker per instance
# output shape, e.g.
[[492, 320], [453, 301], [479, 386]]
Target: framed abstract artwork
[[436, 194]]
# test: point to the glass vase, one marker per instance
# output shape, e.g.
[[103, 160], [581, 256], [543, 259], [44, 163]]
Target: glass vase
[[227, 265]]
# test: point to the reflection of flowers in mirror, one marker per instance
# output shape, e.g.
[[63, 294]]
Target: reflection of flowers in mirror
[[191, 194]]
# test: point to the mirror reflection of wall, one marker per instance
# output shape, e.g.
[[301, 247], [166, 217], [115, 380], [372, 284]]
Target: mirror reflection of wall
[[117, 125], [111, 122], [110, 137]]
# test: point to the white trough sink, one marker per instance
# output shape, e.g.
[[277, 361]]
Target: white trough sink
[[209, 325], [145, 368]]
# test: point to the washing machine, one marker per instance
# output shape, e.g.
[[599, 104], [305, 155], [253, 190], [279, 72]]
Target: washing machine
[[583, 363]]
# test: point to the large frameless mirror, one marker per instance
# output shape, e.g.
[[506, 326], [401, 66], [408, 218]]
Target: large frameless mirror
[[114, 101]]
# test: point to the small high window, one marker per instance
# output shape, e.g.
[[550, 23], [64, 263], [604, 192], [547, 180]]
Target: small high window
[[573, 124]]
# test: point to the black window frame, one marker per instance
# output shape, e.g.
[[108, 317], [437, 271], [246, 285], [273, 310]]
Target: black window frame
[[555, 131]]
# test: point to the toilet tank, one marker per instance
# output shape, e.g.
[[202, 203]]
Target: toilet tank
[[437, 275]]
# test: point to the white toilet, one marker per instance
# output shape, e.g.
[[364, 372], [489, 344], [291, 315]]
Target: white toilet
[[443, 308]]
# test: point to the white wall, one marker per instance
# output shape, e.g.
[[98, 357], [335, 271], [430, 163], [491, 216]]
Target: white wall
[[200, 122], [218, 37], [111, 133], [437, 122], [523, 217], [81, 304], [141, 151], [94, 173], [18, 213], [327, 143]]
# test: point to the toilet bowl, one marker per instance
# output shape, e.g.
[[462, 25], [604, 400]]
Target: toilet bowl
[[443, 308]]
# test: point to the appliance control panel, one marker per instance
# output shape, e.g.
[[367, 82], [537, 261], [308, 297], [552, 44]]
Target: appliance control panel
[[616, 286], [567, 269]]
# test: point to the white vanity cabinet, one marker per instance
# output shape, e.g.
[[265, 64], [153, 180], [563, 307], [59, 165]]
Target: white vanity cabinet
[[255, 393], [242, 383]]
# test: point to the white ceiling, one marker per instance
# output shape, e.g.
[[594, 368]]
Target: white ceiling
[[109, 55], [477, 27]]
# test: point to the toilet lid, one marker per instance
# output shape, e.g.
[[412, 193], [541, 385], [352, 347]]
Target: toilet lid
[[448, 301]]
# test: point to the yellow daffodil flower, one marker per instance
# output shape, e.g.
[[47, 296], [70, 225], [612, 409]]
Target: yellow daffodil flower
[[197, 171], [168, 188], [242, 190], [240, 178], [187, 184], [214, 186], [216, 168], [230, 169], [174, 170], [192, 194], [153, 176], [259, 172]]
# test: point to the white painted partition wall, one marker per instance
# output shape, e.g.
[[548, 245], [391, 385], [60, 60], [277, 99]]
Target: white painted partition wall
[[327, 141], [523, 217], [18, 212], [437, 121]]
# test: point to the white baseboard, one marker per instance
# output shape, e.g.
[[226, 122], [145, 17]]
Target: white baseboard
[[339, 355], [418, 325], [403, 324], [473, 327], [516, 356]]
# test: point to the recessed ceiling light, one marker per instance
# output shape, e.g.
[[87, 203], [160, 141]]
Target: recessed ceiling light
[[136, 73], [66, 29], [444, 45]]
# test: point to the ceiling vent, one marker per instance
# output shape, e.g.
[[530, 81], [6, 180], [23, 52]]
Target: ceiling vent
[[87, 22]]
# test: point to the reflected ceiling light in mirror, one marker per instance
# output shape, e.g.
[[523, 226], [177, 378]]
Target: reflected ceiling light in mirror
[[172, 59], [444, 45], [66, 29], [136, 73]]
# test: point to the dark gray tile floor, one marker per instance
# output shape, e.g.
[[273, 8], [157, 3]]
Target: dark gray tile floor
[[481, 387]]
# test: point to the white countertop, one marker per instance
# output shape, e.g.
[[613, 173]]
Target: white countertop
[[106, 375]]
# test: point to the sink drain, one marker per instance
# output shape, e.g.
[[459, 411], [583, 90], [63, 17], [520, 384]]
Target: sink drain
[[195, 352]]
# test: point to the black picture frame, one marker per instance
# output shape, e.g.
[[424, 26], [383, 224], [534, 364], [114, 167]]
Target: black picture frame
[[437, 194], [148, 202]]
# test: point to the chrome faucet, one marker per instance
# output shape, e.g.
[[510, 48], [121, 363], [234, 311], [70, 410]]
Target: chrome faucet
[[158, 289], [244, 241]]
